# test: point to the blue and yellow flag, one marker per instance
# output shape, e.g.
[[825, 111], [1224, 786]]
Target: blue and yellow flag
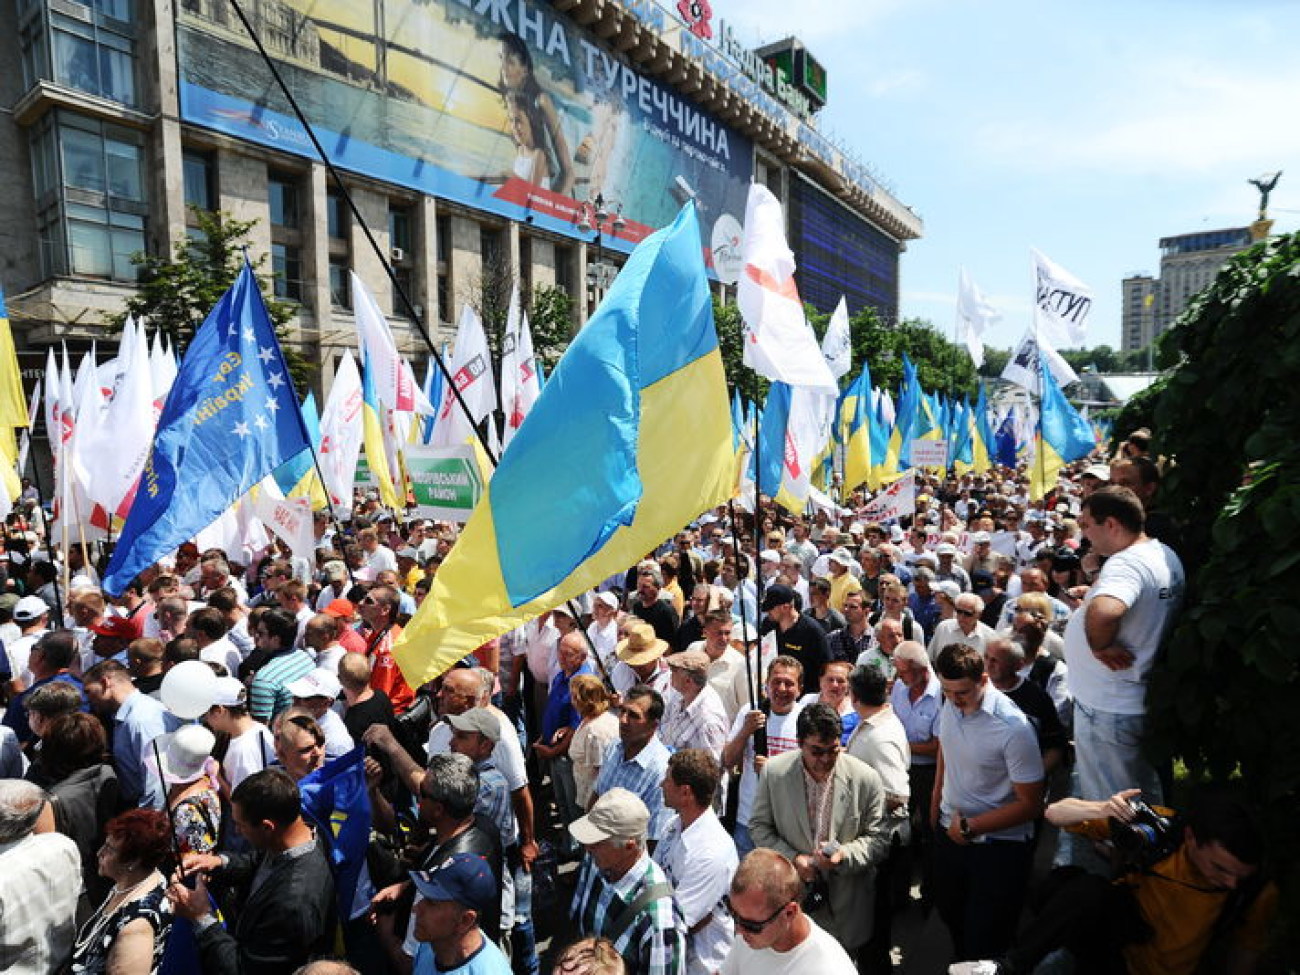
[[372, 439], [772, 430], [297, 478], [1062, 436], [629, 440], [230, 419], [13, 411], [899, 455], [982, 443], [865, 442], [335, 801]]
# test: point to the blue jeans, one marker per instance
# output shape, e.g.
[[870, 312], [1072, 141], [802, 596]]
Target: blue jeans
[[744, 843], [523, 940], [1108, 759]]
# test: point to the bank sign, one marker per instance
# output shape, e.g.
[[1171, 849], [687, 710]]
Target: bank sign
[[501, 105]]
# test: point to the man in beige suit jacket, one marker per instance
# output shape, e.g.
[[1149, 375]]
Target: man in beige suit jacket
[[825, 811]]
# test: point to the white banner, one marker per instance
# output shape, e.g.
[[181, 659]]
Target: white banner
[[1061, 304], [1022, 367], [929, 453], [837, 343], [974, 315], [894, 502], [290, 519]]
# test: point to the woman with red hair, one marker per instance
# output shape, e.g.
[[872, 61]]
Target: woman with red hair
[[127, 934]]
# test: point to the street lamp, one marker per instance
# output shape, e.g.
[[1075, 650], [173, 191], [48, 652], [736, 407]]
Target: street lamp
[[600, 217]]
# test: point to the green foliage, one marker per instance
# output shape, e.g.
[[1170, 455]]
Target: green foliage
[[1222, 696], [177, 292], [942, 366], [550, 318]]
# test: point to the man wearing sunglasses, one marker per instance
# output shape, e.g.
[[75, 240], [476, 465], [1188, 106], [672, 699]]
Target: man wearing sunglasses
[[773, 934], [826, 812], [965, 627]]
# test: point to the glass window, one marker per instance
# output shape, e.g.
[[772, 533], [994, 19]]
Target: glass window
[[399, 228], [444, 238], [286, 265], [336, 216], [83, 160], [340, 284], [198, 181], [91, 57], [283, 198], [124, 178]]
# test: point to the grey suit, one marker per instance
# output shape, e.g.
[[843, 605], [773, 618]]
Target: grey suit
[[780, 822]]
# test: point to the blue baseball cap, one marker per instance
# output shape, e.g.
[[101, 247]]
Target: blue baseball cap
[[464, 878]]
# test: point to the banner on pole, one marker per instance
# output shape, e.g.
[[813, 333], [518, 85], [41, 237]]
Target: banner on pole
[[445, 481]]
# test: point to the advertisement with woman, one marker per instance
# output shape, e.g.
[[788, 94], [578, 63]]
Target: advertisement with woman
[[502, 105]]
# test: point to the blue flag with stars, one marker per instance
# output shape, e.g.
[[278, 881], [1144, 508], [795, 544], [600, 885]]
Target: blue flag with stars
[[230, 419]]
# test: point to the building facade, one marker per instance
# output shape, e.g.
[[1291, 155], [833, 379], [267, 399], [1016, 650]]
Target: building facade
[[470, 136], [1138, 311]]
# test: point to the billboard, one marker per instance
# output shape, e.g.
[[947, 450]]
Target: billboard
[[839, 253], [506, 107]]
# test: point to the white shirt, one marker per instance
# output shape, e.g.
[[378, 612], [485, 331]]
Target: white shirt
[[950, 631], [819, 953], [780, 738], [337, 739], [328, 659], [1147, 578], [542, 639], [723, 679], [700, 862], [881, 742], [222, 651], [605, 640], [250, 752], [40, 880], [20, 652]]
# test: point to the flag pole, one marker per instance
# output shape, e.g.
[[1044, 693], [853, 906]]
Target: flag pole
[[398, 289], [744, 623]]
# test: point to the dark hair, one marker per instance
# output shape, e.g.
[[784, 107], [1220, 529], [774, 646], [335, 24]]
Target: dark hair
[[697, 769], [223, 599], [270, 794], [867, 684], [207, 621], [72, 741], [45, 571], [59, 648], [1115, 502], [105, 668], [281, 625], [641, 692], [142, 836], [181, 649], [53, 699], [957, 661], [818, 721], [1217, 815]]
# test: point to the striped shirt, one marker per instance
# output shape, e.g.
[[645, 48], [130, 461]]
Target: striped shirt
[[493, 802], [267, 696], [643, 776], [653, 943]]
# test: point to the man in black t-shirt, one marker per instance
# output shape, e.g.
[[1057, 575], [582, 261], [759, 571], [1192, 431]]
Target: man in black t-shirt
[[797, 635], [659, 613]]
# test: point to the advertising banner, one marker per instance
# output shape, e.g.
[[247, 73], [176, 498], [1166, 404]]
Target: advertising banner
[[445, 481], [506, 107]]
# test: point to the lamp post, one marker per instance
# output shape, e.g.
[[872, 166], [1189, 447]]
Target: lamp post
[[600, 217]]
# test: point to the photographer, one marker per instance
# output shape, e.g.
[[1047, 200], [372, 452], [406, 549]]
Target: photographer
[[1185, 890]]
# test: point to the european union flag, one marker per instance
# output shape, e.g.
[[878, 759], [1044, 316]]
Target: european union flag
[[230, 419]]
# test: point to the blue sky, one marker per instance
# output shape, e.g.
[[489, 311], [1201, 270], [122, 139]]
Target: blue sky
[[1088, 130]]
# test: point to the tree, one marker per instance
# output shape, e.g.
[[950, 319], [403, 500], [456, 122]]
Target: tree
[[177, 292], [1222, 695], [550, 317]]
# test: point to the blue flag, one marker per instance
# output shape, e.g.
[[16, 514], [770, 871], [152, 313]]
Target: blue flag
[[771, 438], [335, 800], [1005, 439], [291, 472], [230, 419]]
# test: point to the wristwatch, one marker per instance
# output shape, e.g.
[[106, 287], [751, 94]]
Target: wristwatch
[[963, 824]]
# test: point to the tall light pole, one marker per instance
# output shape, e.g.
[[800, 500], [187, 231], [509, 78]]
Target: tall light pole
[[600, 217]]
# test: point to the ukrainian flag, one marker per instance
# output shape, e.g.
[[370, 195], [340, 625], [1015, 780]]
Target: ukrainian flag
[[899, 455], [297, 478], [1062, 436], [13, 411], [982, 442], [865, 442], [600, 472], [372, 426], [772, 430]]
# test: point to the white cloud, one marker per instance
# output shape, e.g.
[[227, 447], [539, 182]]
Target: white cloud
[[817, 21]]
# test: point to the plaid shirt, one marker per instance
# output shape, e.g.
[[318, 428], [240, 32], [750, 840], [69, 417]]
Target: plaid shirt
[[653, 944], [643, 776], [704, 724]]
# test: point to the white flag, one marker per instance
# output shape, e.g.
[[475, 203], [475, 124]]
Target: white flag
[[340, 433], [1061, 304], [894, 502], [117, 456], [162, 367], [519, 383], [837, 344], [471, 373], [290, 519], [974, 315], [807, 431], [1022, 367], [778, 343], [395, 385]]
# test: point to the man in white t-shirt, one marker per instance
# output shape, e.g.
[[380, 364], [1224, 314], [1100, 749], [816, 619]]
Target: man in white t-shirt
[[251, 747], [1111, 643], [773, 934], [777, 719]]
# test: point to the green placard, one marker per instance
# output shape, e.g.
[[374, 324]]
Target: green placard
[[445, 481]]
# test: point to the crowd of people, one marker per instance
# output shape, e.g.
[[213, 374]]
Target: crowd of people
[[755, 747]]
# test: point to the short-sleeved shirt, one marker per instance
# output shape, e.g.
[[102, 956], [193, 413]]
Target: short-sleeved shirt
[[920, 717], [805, 640], [700, 861], [1147, 578], [780, 738], [984, 755], [642, 775], [653, 941], [487, 960], [267, 695]]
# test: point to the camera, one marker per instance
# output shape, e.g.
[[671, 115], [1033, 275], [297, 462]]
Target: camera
[[1148, 839]]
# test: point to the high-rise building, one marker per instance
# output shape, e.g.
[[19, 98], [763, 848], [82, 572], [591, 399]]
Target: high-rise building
[[1188, 263], [1138, 311]]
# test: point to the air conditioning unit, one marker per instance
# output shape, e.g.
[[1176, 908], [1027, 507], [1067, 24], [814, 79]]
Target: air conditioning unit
[[396, 255]]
